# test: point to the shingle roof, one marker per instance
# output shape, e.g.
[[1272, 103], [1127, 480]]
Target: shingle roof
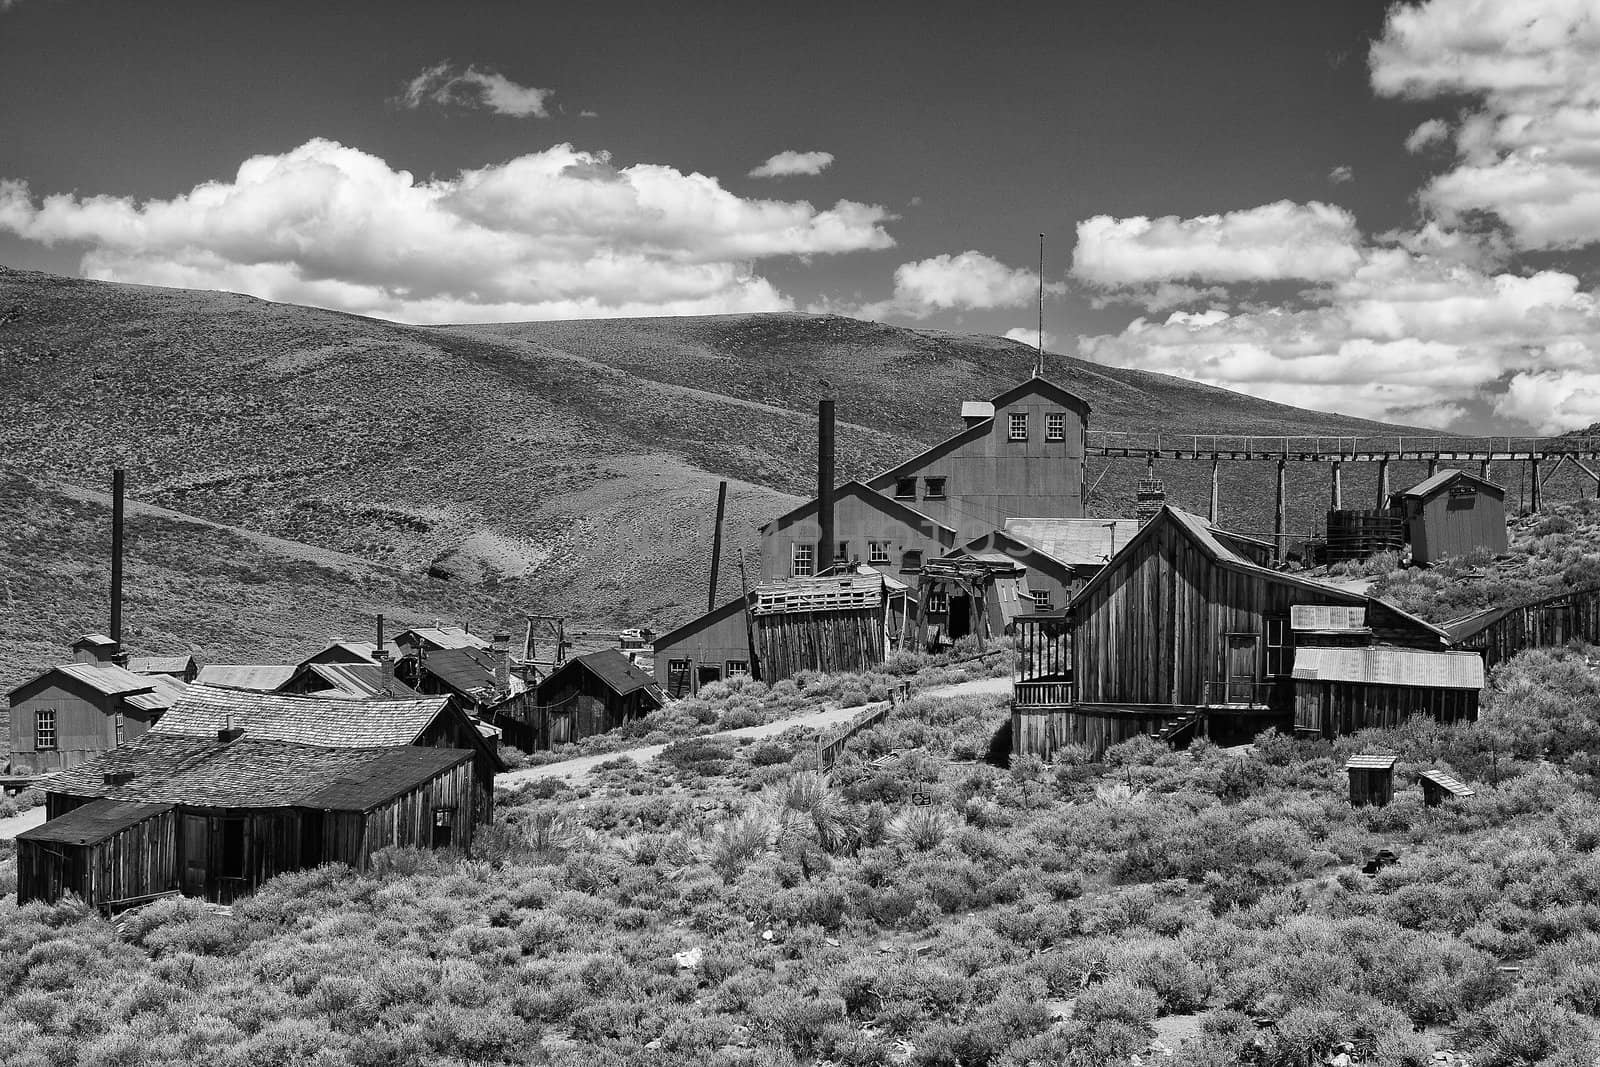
[[261, 677], [93, 822], [166, 692], [1448, 782], [1370, 763], [1390, 666], [612, 668], [256, 773], [303, 720], [1074, 542]]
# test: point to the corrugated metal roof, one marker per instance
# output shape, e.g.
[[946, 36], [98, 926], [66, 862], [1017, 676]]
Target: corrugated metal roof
[[160, 664], [1074, 542], [1447, 782], [468, 671], [1390, 666], [166, 692], [107, 677], [1370, 763], [302, 720], [93, 822], [1327, 617], [441, 637], [168, 769], [1434, 482], [261, 677], [361, 680]]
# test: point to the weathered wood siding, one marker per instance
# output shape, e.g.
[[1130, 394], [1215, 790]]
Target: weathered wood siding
[[138, 861], [1541, 624], [790, 642], [406, 821], [1454, 524], [1155, 630], [1331, 709], [1043, 732], [1371, 786]]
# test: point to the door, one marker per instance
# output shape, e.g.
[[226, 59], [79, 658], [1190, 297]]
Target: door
[[959, 622], [707, 675], [195, 832], [1243, 654]]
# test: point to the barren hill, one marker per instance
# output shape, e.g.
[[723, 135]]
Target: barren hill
[[563, 466]]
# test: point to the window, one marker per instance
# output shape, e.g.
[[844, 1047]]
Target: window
[[738, 666], [911, 561], [677, 677], [877, 552], [1055, 426], [933, 488], [905, 488], [938, 602], [118, 720], [1041, 602], [44, 730], [844, 552], [805, 561], [1280, 646], [1019, 426], [444, 827]]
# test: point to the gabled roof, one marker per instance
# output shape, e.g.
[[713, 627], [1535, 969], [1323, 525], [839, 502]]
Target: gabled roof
[[895, 509], [440, 637], [612, 668], [165, 691], [160, 664], [468, 671], [302, 720], [94, 641], [715, 615], [106, 678], [1074, 542], [358, 681], [1439, 480], [260, 677], [256, 773], [1380, 665]]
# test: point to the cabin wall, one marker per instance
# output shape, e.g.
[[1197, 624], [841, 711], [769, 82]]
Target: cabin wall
[[226, 853], [1547, 623], [85, 728], [407, 821], [1332, 709], [139, 860], [832, 641], [456, 731], [723, 637], [1447, 525], [1044, 733]]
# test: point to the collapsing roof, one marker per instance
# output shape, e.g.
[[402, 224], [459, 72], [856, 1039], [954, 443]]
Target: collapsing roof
[[357, 681], [1390, 666]]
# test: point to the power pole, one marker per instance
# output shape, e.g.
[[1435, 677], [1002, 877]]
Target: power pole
[[716, 545]]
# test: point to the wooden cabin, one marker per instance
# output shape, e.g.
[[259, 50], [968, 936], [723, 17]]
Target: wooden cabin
[[843, 621], [1371, 780], [477, 678], [1342, 690], [1500, 633], [349, 681], [1183, 632], [704, 650], [593, 694], [1452, 513], [73, 712], [214, 817]]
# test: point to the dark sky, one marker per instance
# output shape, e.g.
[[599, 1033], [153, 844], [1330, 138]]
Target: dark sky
[[967, 127]]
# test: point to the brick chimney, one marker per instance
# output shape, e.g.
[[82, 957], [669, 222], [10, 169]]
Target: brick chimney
[[1152, 496], [385, 672], [501, 650]]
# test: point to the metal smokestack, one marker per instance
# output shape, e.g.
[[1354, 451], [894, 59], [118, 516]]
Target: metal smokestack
[[826, 545], [116, 557]]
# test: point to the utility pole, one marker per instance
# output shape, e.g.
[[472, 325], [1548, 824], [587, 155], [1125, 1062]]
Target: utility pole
[[716, 545]]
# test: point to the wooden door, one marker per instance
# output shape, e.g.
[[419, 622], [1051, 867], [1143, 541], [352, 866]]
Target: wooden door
[[194, 860], [1243, 654]]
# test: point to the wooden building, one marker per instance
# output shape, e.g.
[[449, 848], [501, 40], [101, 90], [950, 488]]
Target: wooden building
[[1499, 633], [871, 528], [838, 622], [1342, 690], [74, 711], [1453, 513], [348, 681], [437, 638], [593, 694], [214, 817], [478, 678], [1076, 550], [981, 592], [183, 668], [1183, 632], [704, 650], [1371, 780]]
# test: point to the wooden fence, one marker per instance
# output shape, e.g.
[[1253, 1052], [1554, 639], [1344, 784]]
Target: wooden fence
[[787, 643], [1538, 624], [829, 751]]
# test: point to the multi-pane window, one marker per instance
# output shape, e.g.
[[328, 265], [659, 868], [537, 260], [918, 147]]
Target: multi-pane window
[[911, 561], [1280, 647], [119, 727], [44, 730], [1041, 602], [938, 602], [805, 561], [905, 488], [877, 552], [844, 552], [738, 666], [677, 677], [933, 488], [1055, 426], [1019, 426]]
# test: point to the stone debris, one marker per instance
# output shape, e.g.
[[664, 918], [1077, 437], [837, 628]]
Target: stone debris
[[689, 960]]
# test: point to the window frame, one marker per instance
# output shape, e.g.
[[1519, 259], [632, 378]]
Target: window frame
[[1279, 653], [844, 552], [1017, 426], [938, 602], [733, 667], [675, 668], [933, 488], [1055, 426], [911, 561], [41, 716], [802, 550], [1043, 604], [878, 553], [905, 488], [233, 849]]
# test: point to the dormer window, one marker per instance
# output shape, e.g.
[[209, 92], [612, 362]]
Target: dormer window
[[1019, 426], [933, 488], [1055, 426], [905, 488]]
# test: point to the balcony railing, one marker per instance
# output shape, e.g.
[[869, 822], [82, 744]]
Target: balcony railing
[[1042, 694], [1250, 694]]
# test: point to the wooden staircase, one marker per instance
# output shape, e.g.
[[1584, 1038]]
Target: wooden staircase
[[1176, 726]]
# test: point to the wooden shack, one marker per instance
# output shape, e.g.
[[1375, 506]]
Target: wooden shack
[[981, 591], [1499, 633], [707, 649], [595, 693], [837, 622], [1342, 690], [215, 817], [1439, 786], [1371, 780], [1453, 513]]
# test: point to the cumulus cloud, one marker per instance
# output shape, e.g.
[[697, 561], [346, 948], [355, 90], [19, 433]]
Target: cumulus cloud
[[1553, 401], [791, 164], [1341, 174], [1273, 242], [1030, 337], [965, 282], [560, 233], [1529, 151], [445, 85]]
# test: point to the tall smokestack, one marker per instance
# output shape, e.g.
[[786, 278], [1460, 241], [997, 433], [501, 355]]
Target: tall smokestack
[[116, 556], [502, 663], [385, 672], [380, 630], [826, 545]]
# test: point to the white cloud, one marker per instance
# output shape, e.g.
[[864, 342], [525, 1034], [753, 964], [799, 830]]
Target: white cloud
[[790, 164], [554, 234], [470, 87], [1284, 240], [965, 282], [1030, 337], [1553, 401], [1530, 152], [1427, 134], [1341, 174]]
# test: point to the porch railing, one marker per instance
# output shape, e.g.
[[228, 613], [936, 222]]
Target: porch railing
[[1042, 694]]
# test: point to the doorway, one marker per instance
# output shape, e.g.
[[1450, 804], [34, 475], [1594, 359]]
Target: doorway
[[1243, 655]]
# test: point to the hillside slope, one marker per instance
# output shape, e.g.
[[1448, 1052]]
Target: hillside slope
[[570, 466]]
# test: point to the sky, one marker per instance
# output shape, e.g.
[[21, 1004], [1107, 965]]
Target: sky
[[1385, 210]]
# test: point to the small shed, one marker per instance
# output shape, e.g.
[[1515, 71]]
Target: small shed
[[183, 668], [706, 649], [1342, 690], [595, 693], [1371, 780], [106, 850], [1437, 786], [1453, 513]]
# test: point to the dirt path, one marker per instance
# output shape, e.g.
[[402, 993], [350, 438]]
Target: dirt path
[[13, 826], [582, 765]]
